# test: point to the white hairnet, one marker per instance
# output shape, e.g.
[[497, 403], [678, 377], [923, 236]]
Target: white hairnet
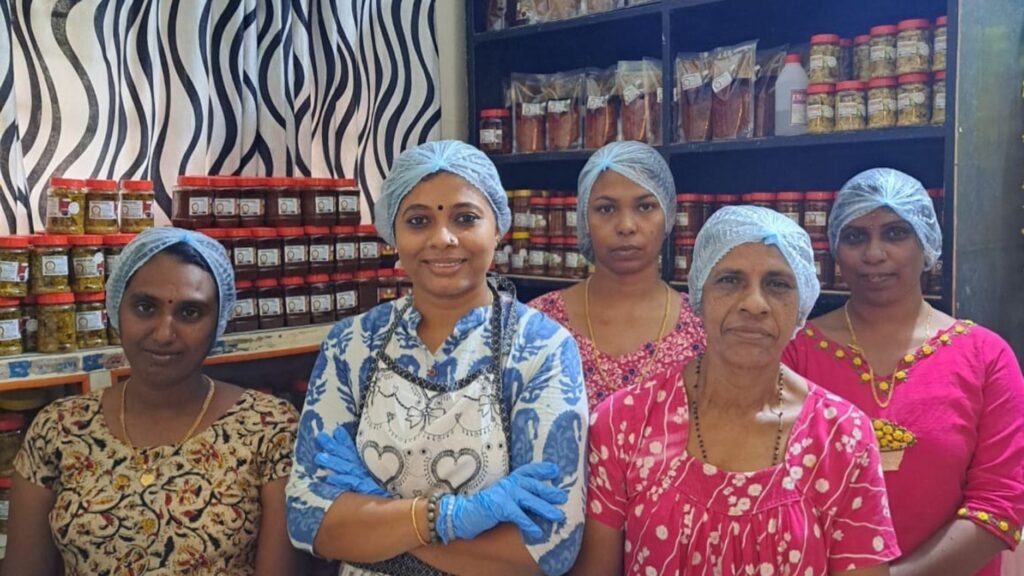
[[451, 156], [151, 242], [636, 161], [892, 189], [732, 226]]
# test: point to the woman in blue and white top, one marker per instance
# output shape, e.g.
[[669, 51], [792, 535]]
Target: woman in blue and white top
[[444, 431]]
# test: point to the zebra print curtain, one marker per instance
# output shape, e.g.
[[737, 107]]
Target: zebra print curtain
[[150, 89]]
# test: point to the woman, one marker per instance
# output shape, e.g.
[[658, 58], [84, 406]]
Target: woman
[[628, 323], [452, 421], [734, 464], [945, 395], [169, 472]]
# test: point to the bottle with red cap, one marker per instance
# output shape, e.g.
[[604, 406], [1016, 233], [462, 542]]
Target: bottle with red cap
[[65, 206], [791, 98]]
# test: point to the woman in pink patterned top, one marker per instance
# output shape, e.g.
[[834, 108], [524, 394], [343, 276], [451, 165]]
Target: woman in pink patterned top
[[628, 323], [735, 464], [946, 396]]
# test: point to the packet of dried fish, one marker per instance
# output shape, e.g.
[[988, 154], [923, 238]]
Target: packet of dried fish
[[601, 119], [732, 82], [529, 109], [638, 86], [693, 102], [769, 65]]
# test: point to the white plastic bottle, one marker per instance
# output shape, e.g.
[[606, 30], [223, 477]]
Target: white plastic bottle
[[791, 98]]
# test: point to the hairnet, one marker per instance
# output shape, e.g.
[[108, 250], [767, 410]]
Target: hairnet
[[636, 161], [892, 189], [155, 240], [451, 156], [732, 226]]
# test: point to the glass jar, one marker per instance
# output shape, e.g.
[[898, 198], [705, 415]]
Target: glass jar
[[556, 216], [823, 64], [113, 338], [91, 320], [862, 58], [10, 327], [837, 278], [537, 262], [369, 247], [348, 201], [762, 199], [689, 215], [65, 206], [823, 265], [223, 238], [883, 51], [29, 323], [14, 267], [882, 103], [321, 249], [296, 250], [270, 300], [366, 280], [817, 206], [712, 202], [245, 316], [296, 300], [346, 249], [791, 205], [575, 263], [913, 47], [914, 104], [683, 259], [252, 200], [243, 253], [48, 265], [192, 202], [570, 216], [387, 285], [284, 203], [113, 245], [101, 207], [556, 257], [12, 432], [522, 221], [268, 252], [388, 255], [495, 131], [225, 201], [851, 108], [137, 202], [319, 202], [56, 323], [520, 254], [404, 283], [502, 265], [821, 108], [321, 298], [939, 98], [845, 59], [346, 295], [539, 216], [939, 45], [87, 271]]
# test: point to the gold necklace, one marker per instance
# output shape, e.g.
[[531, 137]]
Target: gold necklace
[[889, 385], [148, 475], [593, 340]]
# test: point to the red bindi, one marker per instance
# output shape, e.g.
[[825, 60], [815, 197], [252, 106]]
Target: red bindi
[[441, 208]]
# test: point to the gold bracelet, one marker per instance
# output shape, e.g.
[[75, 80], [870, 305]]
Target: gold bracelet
[[415, 526]]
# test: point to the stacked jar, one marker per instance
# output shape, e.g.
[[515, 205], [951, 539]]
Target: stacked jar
[[102, 205], [137, 206]]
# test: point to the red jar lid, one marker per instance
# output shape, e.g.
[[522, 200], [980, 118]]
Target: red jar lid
[[251, 182], [400, 273], [913, 79], [9, 422], [342, 276], [243, 284], [759, 197], [825, 39], [821, 88], [9, 302], [366, 229], [886, 30], [538, 201], [314, 230], [118, 239], [707, 198], [914, 24], [293, 281], [494, 113], [688, 197], [936, 192], [239, 232], [558, 241], [343, 229], [137, 185], [366, 274], [195, 181], [291, 231], [570, 240], [57, 182], [52, 299], [5, 482], [317, 278], [538, 239], [820, 196], [940, 75], [91, 297], [224, 181], [728, 199], [216, 233], [820, 245], [264, 232], [789, 196], [14, 241], [86, 240], [850, 85], [685, 241], [48, 240], [862, 39], [265, 283], [940, 21], [342, 183], [104, 185], [881, 83], [845, 43], [276, 182], [385, 273]]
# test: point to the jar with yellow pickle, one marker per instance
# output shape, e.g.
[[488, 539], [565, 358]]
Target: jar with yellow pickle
[[56, 323], [939, 98], [882, 103], [14, 266], [939, 45], [48, 269], [914, 47], [883, 51], [10, 327], [821, 108], [101, 207], [851, 111], [914, 102], [29, 323], [65, 206], [137, 205], [87, 264], [91, 320]]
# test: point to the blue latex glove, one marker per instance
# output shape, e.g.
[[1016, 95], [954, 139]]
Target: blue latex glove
[[339, 456], [526, 489]]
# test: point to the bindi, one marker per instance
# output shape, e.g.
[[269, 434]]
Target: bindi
[[440, 208]]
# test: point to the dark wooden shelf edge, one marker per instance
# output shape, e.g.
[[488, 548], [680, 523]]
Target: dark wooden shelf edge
[[616, 15]]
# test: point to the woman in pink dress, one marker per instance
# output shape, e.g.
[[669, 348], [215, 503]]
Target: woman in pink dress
[[946, 396], [735, 464], [628, 323]]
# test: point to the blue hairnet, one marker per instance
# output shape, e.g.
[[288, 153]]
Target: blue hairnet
[[732, 226], [451, 156], [151, 242], [636, 161], [892, 189]]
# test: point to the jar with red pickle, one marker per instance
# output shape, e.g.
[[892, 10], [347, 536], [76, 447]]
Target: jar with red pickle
[[296, 250], [369, 248], [245, 316], [556, 217], [225, 201], [366, 281], [270, 299], [348, 201], [346, 249], [791, 205], [387, 285], [192, 203], [321, 298], [243, 253], [683, 259], [689, 215], [346, 295], [284, 203], [319, 202], [522, 220], [321, 249], [252, 201], [495, 131], [539, 216], [268, 253], [296, 300], [817, 206], [823, 265]]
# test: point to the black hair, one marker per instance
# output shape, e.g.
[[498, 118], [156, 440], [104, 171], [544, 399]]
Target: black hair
[[184, 252]]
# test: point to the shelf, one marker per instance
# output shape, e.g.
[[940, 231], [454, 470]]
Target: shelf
[[571, 24], [19, 371]]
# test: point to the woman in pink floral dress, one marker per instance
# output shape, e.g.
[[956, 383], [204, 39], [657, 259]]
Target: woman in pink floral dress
[[734, 464]]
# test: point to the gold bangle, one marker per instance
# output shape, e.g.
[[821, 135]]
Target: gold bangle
[[415, 526]]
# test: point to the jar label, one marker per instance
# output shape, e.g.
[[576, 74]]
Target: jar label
[[55, 265], [538, 257], [490, 136], [794, 216], [288, 206], [320, 253], [10, 330], [881, 105], [199, 206], [595, 102], [297, 304], [554, 259], [540, 223], [225, 207], [940, 101], [112, 262], [345, 250], [61, 208], [295, 254], [817, 62], [851, 110], [573, 260], [136, 209], [325, 204], [244, 308], [818, 111], [321, 303], [517, 261], [245, 256], [269, 257], [534, 109], [940, 44], [347, 300], [89, 267], [250, 206], [368, 250], [815, 219], [522, 220], [682, 219], [270, 306], [721, 82], [348, 203], [501, 256], [14, 272], [570, 218], [102, 210], [562, 106], [817, 268], [882, 53], [631, 93], [682, 263], [91, 321]]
